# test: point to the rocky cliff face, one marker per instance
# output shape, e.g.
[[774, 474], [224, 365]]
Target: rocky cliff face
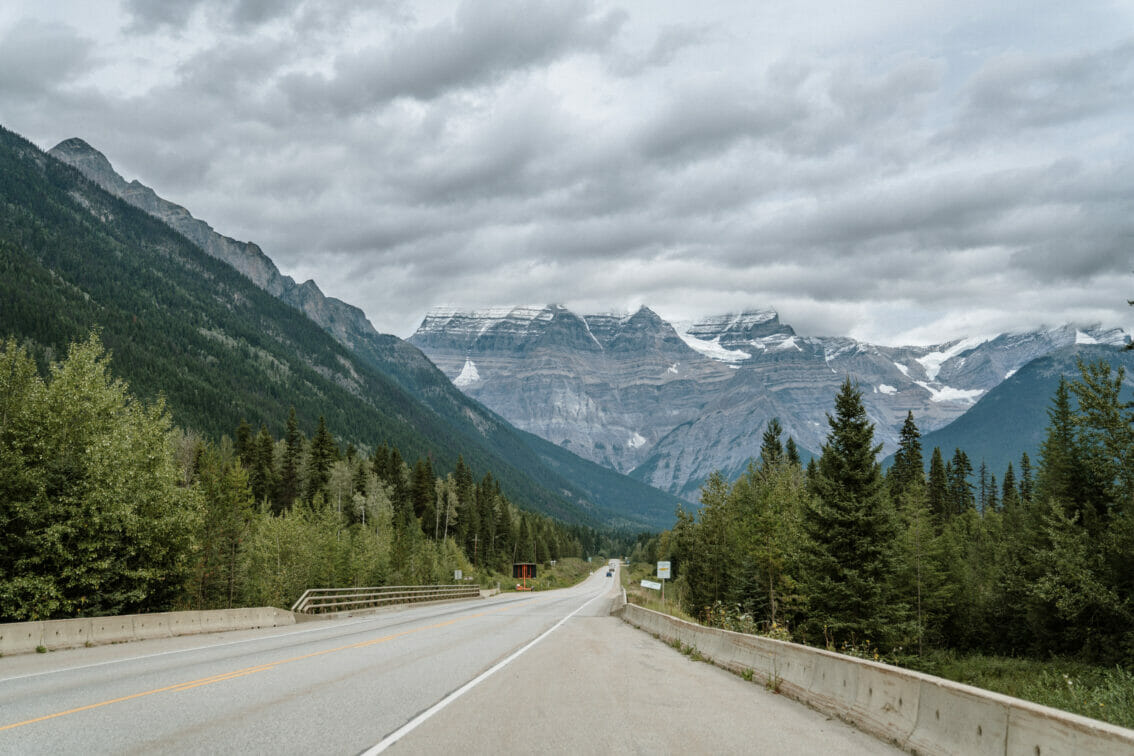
[[346, 323], [670, 405], [607, 387]]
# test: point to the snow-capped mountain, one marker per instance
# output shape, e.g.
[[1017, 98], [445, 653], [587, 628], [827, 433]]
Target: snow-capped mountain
[[670, 404]]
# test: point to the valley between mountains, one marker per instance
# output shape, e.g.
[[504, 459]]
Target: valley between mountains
[[663, 404]]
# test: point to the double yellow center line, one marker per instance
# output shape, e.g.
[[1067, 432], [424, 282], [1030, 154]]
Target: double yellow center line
[[258, 668]]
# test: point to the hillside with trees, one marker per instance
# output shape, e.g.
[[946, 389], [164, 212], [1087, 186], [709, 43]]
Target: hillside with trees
[[187, 327], [108, 508]]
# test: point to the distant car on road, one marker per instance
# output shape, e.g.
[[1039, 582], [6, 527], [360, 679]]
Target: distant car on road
[[609, 573]]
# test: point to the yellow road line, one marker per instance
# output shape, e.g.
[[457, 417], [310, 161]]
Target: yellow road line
[[223, 676]]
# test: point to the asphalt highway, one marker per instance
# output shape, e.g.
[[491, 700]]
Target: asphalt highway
[[433, 679]]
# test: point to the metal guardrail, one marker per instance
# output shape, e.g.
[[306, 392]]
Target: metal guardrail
[[319, 600]]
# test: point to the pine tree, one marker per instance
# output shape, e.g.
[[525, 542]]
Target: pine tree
[[261, 471], [771, 449], [289, 472], [1104, 423], [961, 496], [908, 467], [937, 489], [423, 494], [380, 462], [792, 452], [243, 447], [852, 532], [1026, 484], [322, 455], [983, 486], [1010, 496], [1062, 474], [992, 498]]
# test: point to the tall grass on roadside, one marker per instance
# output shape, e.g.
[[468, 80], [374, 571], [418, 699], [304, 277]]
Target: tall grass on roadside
[[1104, 693]]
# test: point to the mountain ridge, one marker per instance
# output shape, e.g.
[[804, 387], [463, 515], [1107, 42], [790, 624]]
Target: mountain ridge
[[572, 489], [669, 404]]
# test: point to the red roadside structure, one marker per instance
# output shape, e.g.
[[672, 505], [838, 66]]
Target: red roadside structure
[[523, 571]]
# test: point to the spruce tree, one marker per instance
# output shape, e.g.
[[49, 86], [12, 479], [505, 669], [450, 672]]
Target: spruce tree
[[771, 449], [852, 532], [983, 486], [243, 446], [323, 453], [792, 453], [1027, 485], [961, 496], [937, 490], [1010, 495], [423, 494], [1061, 472], [289, 474], [908, 467], [261, 473]]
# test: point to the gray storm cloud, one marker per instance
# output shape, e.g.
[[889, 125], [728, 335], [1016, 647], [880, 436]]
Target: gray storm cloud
[[910, 175]]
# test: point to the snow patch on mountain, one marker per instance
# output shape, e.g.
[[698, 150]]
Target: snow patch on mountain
[[636, 441], [884, 388], [933, 361], [713, 349], [1083, 338], [468, 376], [903, 369], [950, 394]]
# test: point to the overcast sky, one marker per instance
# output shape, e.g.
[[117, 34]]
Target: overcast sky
[[899, 172]]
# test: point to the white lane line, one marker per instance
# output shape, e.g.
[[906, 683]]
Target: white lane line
[[411, 725], [205, 647]]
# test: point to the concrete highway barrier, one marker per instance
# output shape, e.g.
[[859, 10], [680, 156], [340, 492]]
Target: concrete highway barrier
[[918, 712], [27, 637]]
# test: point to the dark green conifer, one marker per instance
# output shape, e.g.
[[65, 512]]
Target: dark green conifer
[[792, 452], [323, 453], [961, 495], [908, 467], [771, 448], [289, 473], [243, 445], [852, 531], [261, 473], [1010, 496], [937, 489], [1026, 484]]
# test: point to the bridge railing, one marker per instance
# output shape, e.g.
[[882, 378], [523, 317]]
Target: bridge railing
[[320, 600]]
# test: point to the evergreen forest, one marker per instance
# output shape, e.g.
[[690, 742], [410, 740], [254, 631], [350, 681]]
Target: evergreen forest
[[108, 508], [1036, 562]]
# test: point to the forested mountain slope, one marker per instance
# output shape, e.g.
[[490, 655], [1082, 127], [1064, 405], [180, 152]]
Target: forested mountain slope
[[185, 325], [1012, 418]]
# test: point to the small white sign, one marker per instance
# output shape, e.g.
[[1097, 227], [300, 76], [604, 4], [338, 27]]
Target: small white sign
[[663, 570], [651, 584], [457, 574]]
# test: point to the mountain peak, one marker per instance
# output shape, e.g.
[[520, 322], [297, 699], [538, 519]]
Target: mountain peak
[[77, 146], [90, 162]]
